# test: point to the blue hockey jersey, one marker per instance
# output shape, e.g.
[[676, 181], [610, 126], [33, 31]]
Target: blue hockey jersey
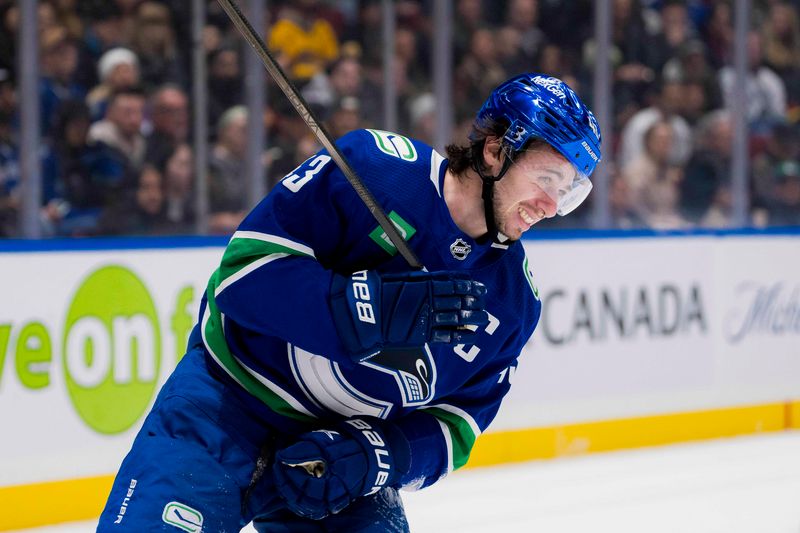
[[265, 318]]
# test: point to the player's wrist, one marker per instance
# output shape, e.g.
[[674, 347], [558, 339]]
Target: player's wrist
[[356, 310], [386, 448]]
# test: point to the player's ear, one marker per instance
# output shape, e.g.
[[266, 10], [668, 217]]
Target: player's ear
[[493, 155]]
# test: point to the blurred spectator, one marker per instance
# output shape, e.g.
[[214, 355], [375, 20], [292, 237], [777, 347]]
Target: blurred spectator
[[346, 79], [719, 34], [667, 59], [367, 33], [676, 30], [695, 103], [666, 106], [287, 129], [153, 40], [661, 206], [765, 91], [303, 42], [178, 189], [104, 28], [59, 60], [9, 28], [121, 127], [140, 214], [85, 176], [128, 11], [652, 166], [227, 187], [46, 16], [523, 15], [306, 147], [117, 69], [781, 33], [8, 93], [9, 178], [781, 38], [346, 117], [225, 81], [407, 46], [783, 206], [469, 17], [692, 67], [552, 59], [422, 112], [169, 120], [771, 168], [709, 168], [476, 75], [624, 213], [66, 14], [634, 58], [509, 51]]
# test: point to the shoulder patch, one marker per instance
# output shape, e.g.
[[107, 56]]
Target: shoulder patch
[[529, 276], [405, 229], [394, 144]]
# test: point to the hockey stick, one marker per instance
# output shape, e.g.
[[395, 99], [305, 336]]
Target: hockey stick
[[247, 31]]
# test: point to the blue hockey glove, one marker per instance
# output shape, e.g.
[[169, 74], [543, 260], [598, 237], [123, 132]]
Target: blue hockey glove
[[325, 470], [372, 311]]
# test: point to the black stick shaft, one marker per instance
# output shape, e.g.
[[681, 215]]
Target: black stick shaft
[[275, 70]]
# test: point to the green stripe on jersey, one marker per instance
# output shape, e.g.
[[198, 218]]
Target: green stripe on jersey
[[461, 435], [214, 339], [246, 252]]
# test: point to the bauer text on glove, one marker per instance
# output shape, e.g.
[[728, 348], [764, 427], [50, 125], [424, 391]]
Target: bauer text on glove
[[325, 470]]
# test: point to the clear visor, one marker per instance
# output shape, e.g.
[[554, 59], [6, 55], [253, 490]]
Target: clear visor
[[557, 177]]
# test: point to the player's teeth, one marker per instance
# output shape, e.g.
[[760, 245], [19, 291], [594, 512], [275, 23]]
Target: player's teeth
[[526, 217]]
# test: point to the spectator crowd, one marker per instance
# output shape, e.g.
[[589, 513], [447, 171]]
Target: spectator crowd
[[116, 113]]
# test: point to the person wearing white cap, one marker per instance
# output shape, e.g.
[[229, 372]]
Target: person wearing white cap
[[117, 69]]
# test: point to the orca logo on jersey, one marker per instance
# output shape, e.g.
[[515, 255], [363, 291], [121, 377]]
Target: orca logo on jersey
[[394, 145], [412, 368]]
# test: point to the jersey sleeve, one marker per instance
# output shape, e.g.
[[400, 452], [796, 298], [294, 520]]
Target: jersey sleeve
[[441, 435], [270, 280]]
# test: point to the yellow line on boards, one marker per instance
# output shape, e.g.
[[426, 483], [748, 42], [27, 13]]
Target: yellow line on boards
[[575, 439], [53, 502], [40, 504], [793, 415]]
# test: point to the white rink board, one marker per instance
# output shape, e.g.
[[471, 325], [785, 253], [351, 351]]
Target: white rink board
[[680, 301], [40, 287], [707, 322]]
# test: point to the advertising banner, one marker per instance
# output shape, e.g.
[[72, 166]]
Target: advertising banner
[[630, 327], [86, 340], [633, 327]]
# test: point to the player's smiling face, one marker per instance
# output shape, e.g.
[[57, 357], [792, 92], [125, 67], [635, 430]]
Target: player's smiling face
[[529, 190]]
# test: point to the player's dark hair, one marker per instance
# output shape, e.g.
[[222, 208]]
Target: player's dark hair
[[462, 158]]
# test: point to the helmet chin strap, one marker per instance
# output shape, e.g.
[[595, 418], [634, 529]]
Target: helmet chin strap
[[487, 193]]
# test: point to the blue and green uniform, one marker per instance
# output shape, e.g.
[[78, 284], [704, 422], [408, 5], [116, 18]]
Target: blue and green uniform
[[265, 362]]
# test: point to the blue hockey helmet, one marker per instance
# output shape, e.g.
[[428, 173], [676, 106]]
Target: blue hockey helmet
[[536, 106]]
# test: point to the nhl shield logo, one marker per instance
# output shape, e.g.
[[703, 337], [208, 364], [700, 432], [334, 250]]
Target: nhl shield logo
[[460, 249]]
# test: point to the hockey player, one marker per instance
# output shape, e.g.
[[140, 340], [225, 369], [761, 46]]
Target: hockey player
[[323, 375]]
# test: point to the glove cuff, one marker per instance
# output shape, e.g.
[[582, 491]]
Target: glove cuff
[[386, 447], [355, 308]]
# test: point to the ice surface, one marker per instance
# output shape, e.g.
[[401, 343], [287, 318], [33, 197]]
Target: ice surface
[[740, 485]]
